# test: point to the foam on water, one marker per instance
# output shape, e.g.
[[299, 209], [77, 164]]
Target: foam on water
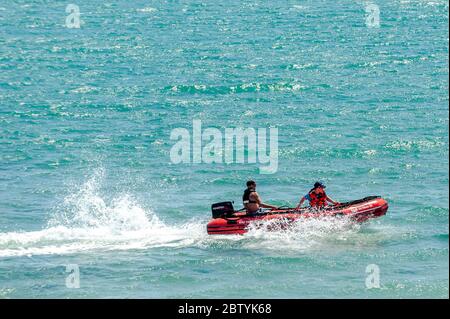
[[86, 221], [303, 234]]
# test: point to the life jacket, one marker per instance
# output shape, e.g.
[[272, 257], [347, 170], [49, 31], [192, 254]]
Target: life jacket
[[317, 200], [246, 197]]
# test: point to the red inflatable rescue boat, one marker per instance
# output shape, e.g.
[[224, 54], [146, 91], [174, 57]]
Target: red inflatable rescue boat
[[228, 221]]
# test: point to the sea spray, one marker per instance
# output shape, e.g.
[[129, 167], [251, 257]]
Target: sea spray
[[301, 234], [86, 221]]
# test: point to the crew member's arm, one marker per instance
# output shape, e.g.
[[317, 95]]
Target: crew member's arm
[[301, 202], [260, 203], [306, 197], [332, 201]]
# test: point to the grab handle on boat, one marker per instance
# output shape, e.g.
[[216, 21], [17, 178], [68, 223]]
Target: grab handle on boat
[[232, 220]]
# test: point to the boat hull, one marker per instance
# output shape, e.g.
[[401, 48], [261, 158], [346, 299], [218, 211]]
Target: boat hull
[[359, 211]]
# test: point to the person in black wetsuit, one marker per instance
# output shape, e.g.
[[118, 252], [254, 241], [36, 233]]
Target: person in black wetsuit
[[251, 200]]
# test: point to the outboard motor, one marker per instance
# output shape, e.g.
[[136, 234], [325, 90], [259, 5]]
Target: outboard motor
[[223, 209]]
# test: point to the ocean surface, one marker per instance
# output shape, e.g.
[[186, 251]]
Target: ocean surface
[[88, 187]]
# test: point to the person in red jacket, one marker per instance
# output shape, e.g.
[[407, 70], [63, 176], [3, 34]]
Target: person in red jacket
[[317, 197]]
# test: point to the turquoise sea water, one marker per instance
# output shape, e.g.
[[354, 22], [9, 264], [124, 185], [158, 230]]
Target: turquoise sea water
[[86, 116]]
